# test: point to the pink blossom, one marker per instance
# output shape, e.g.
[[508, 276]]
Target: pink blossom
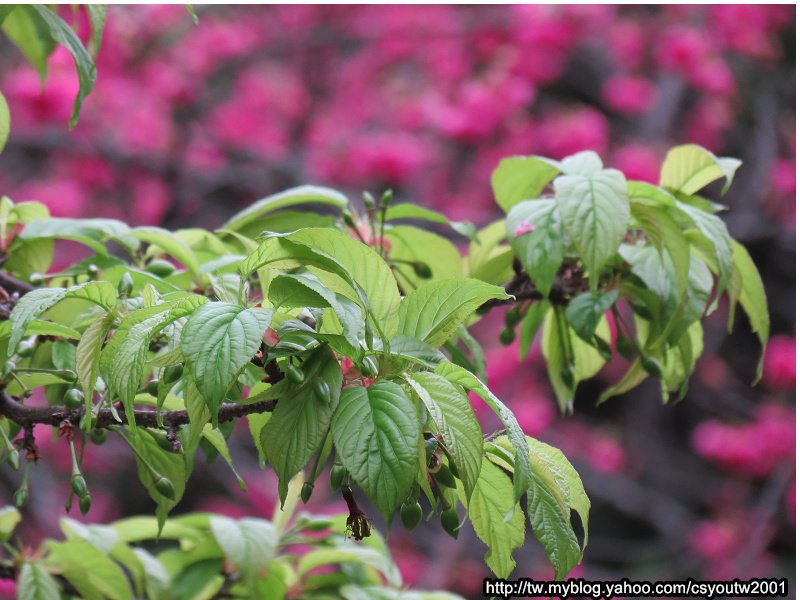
[[637, 161], [628, 94], [780, 363], [524, 227]]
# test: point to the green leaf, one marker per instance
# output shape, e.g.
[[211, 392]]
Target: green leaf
[[87, 355], [549, 515], [218, 340], [168, 464], [407, 210], [5, 122], [587, 360], [299, 290], [38, 301], [633, 377], [216, 438], [35, 583], [90, 571], [488, 259], [567, 478], [748, 290], [84, 65], [534, 232], [433, 312], [665, 234], [375, 431], [249, 544], [304, 194], [359, 555], [714, 230], [90, 232], [455, 420], [487, 510], [9, 519], [689, 168], [97, 17], [31, 35], [522, 470], [169, 243], [521, 178], [530, 325], [122, 361], [595, 211], [301, 419], [412, 244], [585, 311]]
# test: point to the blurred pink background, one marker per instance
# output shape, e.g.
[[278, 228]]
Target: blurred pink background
[[189, 123]]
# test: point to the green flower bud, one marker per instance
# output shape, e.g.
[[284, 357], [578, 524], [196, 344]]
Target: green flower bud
[[410, 514], [507, 336], [568, 375], [21, 497], [13, 459], [172, 374], [652, 366], [125, 285], [152, 387], [422, 270], [36, 279], [160, 267], [92, 270], [625, 347], [66, 375], [322, 391], [306, 491], [337, 476], [85, 503], [294, 374], [165, 487], [98, 436], [444, 477], [25, 349], [450, 522], [73, 398], [79, 485]]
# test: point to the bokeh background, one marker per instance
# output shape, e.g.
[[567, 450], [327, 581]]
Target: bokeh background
[[189, 123]]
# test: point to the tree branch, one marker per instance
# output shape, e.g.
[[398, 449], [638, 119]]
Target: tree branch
[[12, 284], [26, 416]]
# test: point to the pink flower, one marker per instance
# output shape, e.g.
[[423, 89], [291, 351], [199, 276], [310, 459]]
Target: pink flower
[[780, 363], [628, 94], [714, 539], [637, 161], [524, 227]]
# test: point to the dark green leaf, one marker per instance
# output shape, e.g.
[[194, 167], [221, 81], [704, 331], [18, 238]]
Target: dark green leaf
[[585, 311], [534, 232]]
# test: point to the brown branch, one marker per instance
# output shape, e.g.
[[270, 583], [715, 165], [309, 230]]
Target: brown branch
[[12, 284], [27, 416]]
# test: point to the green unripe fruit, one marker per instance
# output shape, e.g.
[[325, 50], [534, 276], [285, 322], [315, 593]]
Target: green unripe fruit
[[152, 387], [36, 279], [98, 436], [422, 270], [512, 317], [85, 503], [172, 374], [294, 374], [125, 285], [163, 440], [306, 491], [160, 267], [92, 270], [625, 347], [507, 336], [337, 476], [25, 349], [652, 366], [450, 522], [165, 487], [21, 497], [444, 477], [410, 514], [13, 459], [79, 486], [73, 398], [322, 391], [568, 376]]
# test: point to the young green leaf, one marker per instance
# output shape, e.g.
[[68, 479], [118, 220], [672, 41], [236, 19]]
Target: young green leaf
[[36, 583], [595, 211], [301, 420], [521, 178], [690, 167], [433, 312], [530, 325], [534, 232], [714, 230], [585, 311], [218, 340], [455, 420], [487, 512], [249, 544], [375, 431], [5, 122]]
